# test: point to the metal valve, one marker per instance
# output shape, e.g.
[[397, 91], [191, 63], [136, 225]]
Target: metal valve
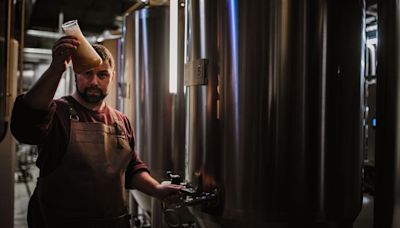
[[176, 212], [191, 196], [174, 178]]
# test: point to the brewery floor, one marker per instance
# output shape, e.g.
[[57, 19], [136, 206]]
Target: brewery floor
[[21, 196], [366, 217]]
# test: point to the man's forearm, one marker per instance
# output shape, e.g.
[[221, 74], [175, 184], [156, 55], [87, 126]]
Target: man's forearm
[[144, 182], [42, 93]]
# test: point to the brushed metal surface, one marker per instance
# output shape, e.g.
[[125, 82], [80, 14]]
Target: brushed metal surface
[[279, 125], [159, 115]]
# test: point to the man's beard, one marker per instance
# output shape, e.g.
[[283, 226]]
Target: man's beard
[[92, 95]]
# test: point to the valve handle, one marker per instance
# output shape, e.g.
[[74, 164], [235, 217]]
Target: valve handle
[[174, 178]]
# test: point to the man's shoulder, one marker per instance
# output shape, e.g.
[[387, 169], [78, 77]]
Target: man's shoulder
[[121, 118], [64, 100], [119, 114], [62, 104]]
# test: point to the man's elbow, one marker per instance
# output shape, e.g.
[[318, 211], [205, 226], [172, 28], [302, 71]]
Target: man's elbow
[[20, 134]]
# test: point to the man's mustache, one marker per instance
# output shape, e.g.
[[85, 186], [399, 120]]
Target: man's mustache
[[93, 90]]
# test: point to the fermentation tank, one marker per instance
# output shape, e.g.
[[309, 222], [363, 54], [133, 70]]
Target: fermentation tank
[[158, 114], [274, 124], [266, 126]]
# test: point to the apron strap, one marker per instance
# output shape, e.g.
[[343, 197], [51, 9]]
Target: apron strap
[[73, 116], [72, 112], [117, 128]]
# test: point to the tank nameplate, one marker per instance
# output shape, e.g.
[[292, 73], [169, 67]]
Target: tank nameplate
[[196, 72]]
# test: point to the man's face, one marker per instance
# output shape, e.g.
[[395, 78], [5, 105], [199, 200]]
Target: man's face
[[93, 85]]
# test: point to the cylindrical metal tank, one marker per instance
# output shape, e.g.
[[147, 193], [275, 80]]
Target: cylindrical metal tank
[[153, 101], [159, 121], [387, 154], [202, 145], [278, 126]]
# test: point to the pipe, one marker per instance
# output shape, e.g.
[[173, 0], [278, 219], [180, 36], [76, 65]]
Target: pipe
[[122, 87], [106, 35], [195, 112], [371, 64], [137, 6], [21, 48], [43, 34], [37, 54], [60, 22]]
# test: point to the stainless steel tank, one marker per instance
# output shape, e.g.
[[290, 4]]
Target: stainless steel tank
[[159, 121], [277, 125], [153, 101], [387, 194]]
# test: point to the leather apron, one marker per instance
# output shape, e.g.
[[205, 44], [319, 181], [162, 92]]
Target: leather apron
[[87, 189]]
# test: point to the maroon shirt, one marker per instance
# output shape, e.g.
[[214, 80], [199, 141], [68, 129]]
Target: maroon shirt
[[50, 131]]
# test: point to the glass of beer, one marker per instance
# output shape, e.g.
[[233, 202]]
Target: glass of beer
[[85, 57]]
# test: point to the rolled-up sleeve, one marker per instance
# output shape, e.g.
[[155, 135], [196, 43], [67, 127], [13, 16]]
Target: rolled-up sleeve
[[136, 165], [29, 125]]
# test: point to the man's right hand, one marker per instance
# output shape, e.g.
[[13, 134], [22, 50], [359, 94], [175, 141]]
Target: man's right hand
[[62, 51], [42, 92]]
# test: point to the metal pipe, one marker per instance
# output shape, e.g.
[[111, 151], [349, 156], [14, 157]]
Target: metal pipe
[[322, 43], [196, 94], [37, 54], [43, 34], [21, 47], [122, 86], [137, 69], [60, 22], [106, 35], [371, 63], [136, 6], [39, 51]]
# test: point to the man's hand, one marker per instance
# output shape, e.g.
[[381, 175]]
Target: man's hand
[[62, 51], [42, 92], [164, 190], [144, 182]]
